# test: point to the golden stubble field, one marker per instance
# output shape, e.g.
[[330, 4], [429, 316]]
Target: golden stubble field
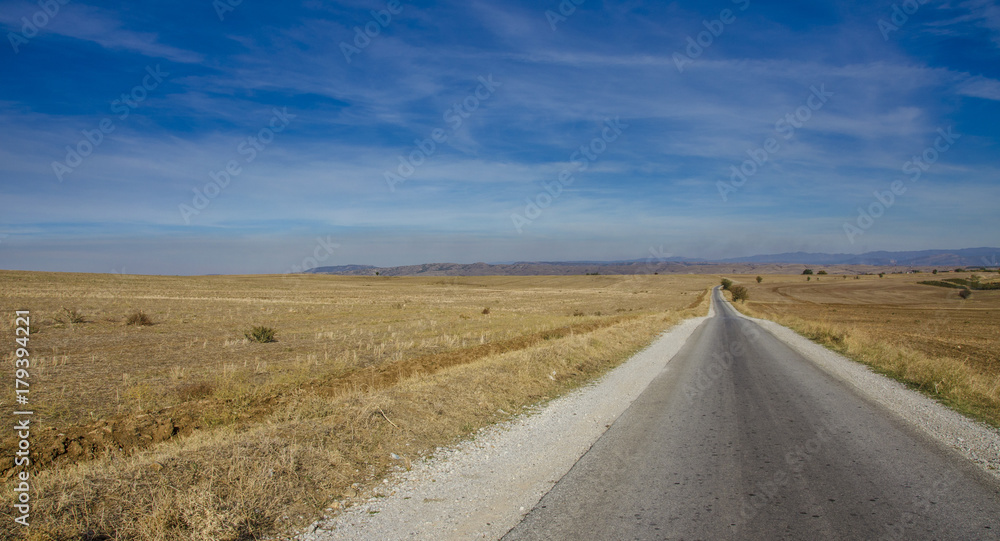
[[185, 429], [926, 336]]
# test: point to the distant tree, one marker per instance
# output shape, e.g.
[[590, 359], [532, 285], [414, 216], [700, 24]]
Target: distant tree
[[726, 283], [821, 272], [759, 279], [965, 293], [740, 293], [809, 278], [881, 275], [807, 271], [934, 271]]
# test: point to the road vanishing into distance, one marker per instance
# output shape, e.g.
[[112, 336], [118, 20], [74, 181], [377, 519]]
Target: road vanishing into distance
[[743, 438]]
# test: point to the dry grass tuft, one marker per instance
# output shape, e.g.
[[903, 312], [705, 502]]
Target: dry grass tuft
[[261, 335], [139, 318], [74, 315], [194, 391]]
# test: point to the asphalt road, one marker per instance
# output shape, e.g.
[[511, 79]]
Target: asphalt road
[[742, 438]]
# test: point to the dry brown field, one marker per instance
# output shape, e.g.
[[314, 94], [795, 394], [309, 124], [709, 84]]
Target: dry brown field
[[926, 336], [184, 429]]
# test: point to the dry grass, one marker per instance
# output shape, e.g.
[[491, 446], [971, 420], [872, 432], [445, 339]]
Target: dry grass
[[139, 318], [924, 336], [366, 368]]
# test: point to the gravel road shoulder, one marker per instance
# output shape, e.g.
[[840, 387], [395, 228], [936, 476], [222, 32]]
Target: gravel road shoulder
[[482, 488]]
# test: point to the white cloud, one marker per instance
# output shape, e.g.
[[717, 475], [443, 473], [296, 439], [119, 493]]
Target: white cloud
[[980, 87], [99, 26]]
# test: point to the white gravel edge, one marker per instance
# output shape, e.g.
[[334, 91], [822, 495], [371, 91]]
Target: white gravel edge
[[482, 488], [977, 441]]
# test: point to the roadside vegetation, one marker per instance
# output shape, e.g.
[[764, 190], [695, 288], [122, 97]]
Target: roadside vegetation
[[740, 293], [188, 429]]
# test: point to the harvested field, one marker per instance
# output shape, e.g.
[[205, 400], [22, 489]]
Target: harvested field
[[363, 370]]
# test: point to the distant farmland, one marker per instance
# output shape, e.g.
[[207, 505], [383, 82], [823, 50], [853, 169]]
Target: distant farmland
[[184, 427]]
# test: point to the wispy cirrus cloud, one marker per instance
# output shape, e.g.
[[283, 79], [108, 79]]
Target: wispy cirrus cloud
[[105, 28]]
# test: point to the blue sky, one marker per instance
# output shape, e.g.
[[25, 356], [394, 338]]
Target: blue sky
[[443, 134]]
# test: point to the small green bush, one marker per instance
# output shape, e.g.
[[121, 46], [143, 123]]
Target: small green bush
[[261, 334], [759, 279], [740, 293], [807, 271], [821, 272], [726, 283], [965, 293]]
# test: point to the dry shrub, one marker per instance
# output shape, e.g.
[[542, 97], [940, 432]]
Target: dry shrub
[[140, 318], [261, 334], [74, 316]]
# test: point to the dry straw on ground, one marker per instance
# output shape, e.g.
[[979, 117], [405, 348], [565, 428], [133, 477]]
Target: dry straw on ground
[[223, 438]]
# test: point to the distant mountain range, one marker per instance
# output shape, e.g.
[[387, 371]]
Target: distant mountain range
[[774, 263], [967, 257]]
